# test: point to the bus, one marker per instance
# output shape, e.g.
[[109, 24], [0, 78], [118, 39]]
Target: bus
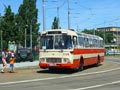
[[68, 49]]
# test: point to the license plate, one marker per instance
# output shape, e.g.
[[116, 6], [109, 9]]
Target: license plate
[[52, 64]]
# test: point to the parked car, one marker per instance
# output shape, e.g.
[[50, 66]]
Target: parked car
[[112, 52], [24, 54]]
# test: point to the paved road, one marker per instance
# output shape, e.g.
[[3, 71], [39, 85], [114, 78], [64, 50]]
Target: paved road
[[91, 78], [100, 81]]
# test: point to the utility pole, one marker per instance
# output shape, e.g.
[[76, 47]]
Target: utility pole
[[117, 36], [104, 36], [19, 35], [31, 34], [58, 12], [18, 24], [68, 14], [43, 7], [25, 38], [1, 34], [26, 35], [1, 40], [94, 32]]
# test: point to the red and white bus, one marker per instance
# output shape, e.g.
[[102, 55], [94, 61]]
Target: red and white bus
[[62, 48]]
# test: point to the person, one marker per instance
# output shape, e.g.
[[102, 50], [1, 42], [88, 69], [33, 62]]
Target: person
[[8, 55], [4, 62], [12, 60]]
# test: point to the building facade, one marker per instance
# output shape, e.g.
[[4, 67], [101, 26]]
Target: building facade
[[115, 31]]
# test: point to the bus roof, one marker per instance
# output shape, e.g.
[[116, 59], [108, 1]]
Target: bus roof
[[70, 32], [90, 36], [60, 31]]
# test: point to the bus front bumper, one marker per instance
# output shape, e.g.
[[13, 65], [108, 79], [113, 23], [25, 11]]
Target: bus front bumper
[[56, 65]]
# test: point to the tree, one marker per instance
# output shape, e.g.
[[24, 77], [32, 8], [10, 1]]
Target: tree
[[108, 35], [13, 25], [7, 27], [55, 23], [28, 15], [91, 31]]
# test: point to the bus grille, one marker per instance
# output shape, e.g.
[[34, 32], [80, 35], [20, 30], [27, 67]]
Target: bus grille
[[54, 60]]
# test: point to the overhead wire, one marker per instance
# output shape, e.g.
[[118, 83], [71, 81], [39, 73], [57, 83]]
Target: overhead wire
[[116, 19]]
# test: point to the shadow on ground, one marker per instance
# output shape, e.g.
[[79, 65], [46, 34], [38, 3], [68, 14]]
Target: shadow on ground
[[64, 71]]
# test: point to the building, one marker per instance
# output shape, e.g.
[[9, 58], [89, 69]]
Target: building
[[115, 31], [111, 29]]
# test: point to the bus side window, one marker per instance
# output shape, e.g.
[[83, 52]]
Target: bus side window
[[95, 42], [75, 43], [90, 42], [86, 42], [81, 41]]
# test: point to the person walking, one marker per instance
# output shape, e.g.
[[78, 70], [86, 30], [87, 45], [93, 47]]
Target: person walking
[[4, 62], [12, 60]]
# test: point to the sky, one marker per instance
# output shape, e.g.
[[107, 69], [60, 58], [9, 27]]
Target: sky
[[84, 14]]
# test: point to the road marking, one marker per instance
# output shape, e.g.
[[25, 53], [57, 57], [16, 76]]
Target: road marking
[[96, 86], [51, 78]]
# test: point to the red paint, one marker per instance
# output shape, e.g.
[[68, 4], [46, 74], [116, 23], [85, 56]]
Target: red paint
[[76, 63], [67, 66], [87, 51]]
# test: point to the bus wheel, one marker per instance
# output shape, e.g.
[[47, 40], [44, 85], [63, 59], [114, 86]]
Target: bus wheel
[[81, 65], [98, 61]]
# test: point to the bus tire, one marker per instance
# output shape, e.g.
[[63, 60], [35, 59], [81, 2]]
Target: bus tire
[[98, 61], [81, 65]]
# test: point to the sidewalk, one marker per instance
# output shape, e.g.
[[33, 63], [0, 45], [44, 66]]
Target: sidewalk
[[23, 64], [113, 57]]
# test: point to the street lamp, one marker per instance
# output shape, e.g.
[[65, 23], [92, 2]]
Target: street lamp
[[104, 34], [68, 14], [43, 7], [18, 24], [25, 35], [1, 40], [31, 35], [31, 32], [1, 33]]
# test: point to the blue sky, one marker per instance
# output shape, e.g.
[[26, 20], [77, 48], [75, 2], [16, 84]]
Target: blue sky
[[83, 13]]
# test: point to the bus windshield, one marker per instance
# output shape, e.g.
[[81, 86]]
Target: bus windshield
[[56, 42]]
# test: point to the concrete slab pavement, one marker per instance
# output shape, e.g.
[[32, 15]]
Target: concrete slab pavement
[[23, 64]]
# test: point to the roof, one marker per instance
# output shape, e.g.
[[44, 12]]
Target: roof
[[68, 31], [108, 27]]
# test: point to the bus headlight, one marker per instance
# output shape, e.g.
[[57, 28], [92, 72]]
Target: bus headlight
[[66, 60], [42, 59]]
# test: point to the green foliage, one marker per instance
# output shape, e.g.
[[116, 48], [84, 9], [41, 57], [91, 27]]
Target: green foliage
[[55, 23], [8, 27], [108, 35], [28, 13], [88, 31], [13, 25]]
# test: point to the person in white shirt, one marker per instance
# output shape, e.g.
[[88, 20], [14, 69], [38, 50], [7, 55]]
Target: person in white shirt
[[4, 62]]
